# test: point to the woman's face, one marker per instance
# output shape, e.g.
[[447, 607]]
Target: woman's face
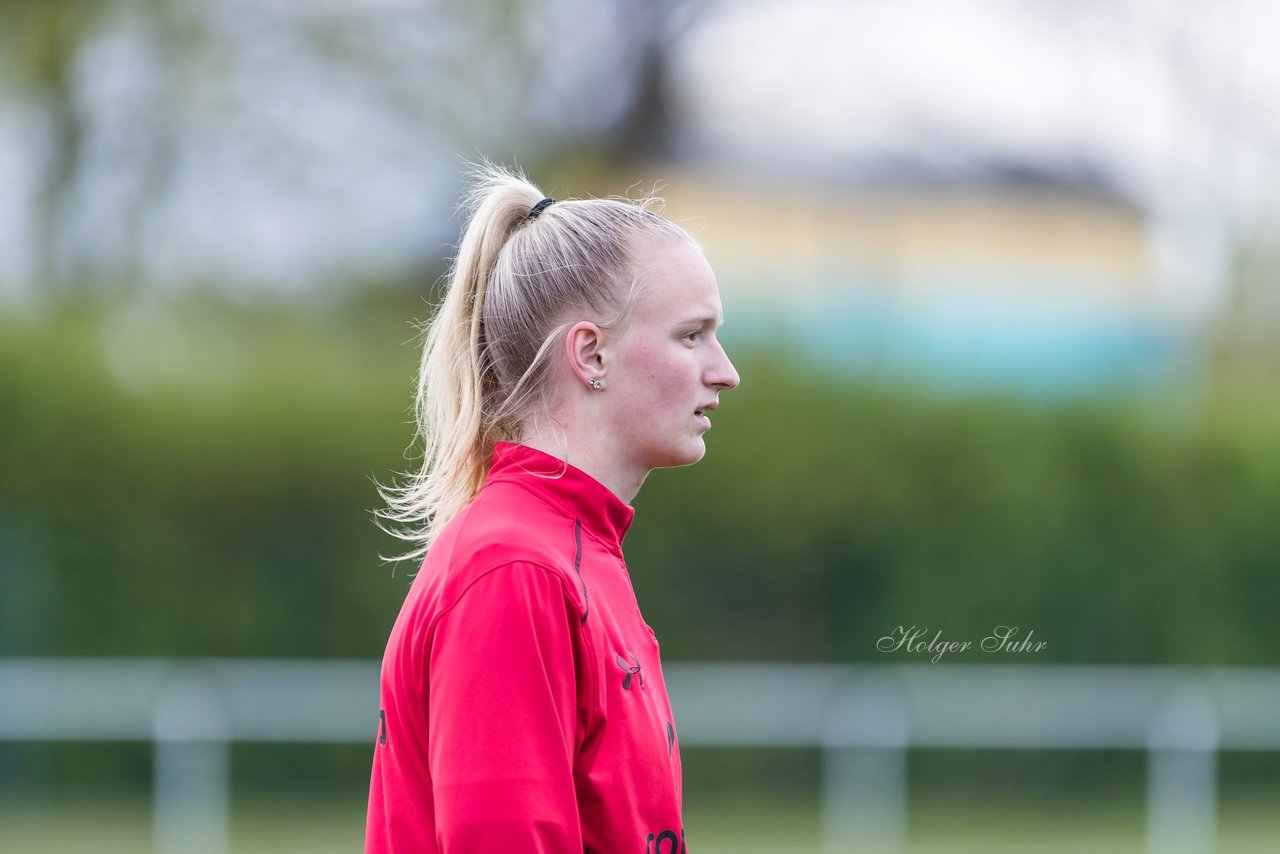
[[668, 368]]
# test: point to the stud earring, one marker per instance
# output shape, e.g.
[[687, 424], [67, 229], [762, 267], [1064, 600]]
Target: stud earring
[[596, 384]]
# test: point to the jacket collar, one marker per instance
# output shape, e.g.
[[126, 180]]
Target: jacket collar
[[573, 491]]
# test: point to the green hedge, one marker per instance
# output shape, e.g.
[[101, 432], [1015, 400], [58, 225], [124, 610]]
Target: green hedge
[[208, 493]]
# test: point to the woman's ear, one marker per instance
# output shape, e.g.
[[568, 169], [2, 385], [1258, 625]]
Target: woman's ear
[[585, 349]]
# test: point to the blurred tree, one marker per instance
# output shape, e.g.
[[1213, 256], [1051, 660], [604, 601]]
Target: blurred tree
[[310, 132], [649, 128], [51, 61], [645, 131], [42, 42]]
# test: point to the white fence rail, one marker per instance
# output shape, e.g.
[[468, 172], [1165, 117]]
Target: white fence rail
[[864, 717]]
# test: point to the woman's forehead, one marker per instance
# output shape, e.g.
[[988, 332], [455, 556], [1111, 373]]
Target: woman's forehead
[[679, 284]]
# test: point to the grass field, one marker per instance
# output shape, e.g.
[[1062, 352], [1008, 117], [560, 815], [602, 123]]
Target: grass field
[[278, 826]]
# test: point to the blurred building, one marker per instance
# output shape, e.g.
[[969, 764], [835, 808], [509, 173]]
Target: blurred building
[[1036, 288]]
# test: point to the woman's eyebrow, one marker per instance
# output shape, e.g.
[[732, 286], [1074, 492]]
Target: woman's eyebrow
[[705, 320]]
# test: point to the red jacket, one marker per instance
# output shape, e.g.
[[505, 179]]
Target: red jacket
[[523, 704]]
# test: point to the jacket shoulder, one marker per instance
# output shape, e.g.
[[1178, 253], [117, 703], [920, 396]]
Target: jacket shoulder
[[504, 524]]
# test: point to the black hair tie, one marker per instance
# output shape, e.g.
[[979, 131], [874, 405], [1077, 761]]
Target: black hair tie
[[540, 207]]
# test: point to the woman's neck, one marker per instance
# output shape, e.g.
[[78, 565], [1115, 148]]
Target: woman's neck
[[604, 464]]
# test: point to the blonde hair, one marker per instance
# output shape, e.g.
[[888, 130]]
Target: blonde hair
[[510, 287]]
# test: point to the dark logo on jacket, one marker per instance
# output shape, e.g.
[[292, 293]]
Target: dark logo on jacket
[[631, 668]]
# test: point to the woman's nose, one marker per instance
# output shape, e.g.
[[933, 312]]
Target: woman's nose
[[725, 375]]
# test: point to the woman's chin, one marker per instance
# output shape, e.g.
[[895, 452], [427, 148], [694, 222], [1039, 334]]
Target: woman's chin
[[694, 451], [687, 453]]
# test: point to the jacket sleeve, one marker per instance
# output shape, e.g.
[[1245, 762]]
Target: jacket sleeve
[[502, 716]]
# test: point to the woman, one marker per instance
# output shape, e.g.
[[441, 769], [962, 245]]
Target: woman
[[523, 704]]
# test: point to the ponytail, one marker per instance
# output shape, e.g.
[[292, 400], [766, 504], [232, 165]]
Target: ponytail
[[484, 352]]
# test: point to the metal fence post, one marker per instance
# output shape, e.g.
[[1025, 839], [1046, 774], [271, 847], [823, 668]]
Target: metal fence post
[[1182, 774], [191, 781], [864, 793]]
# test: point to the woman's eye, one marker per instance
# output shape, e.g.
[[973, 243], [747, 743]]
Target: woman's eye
[[693, 335]]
